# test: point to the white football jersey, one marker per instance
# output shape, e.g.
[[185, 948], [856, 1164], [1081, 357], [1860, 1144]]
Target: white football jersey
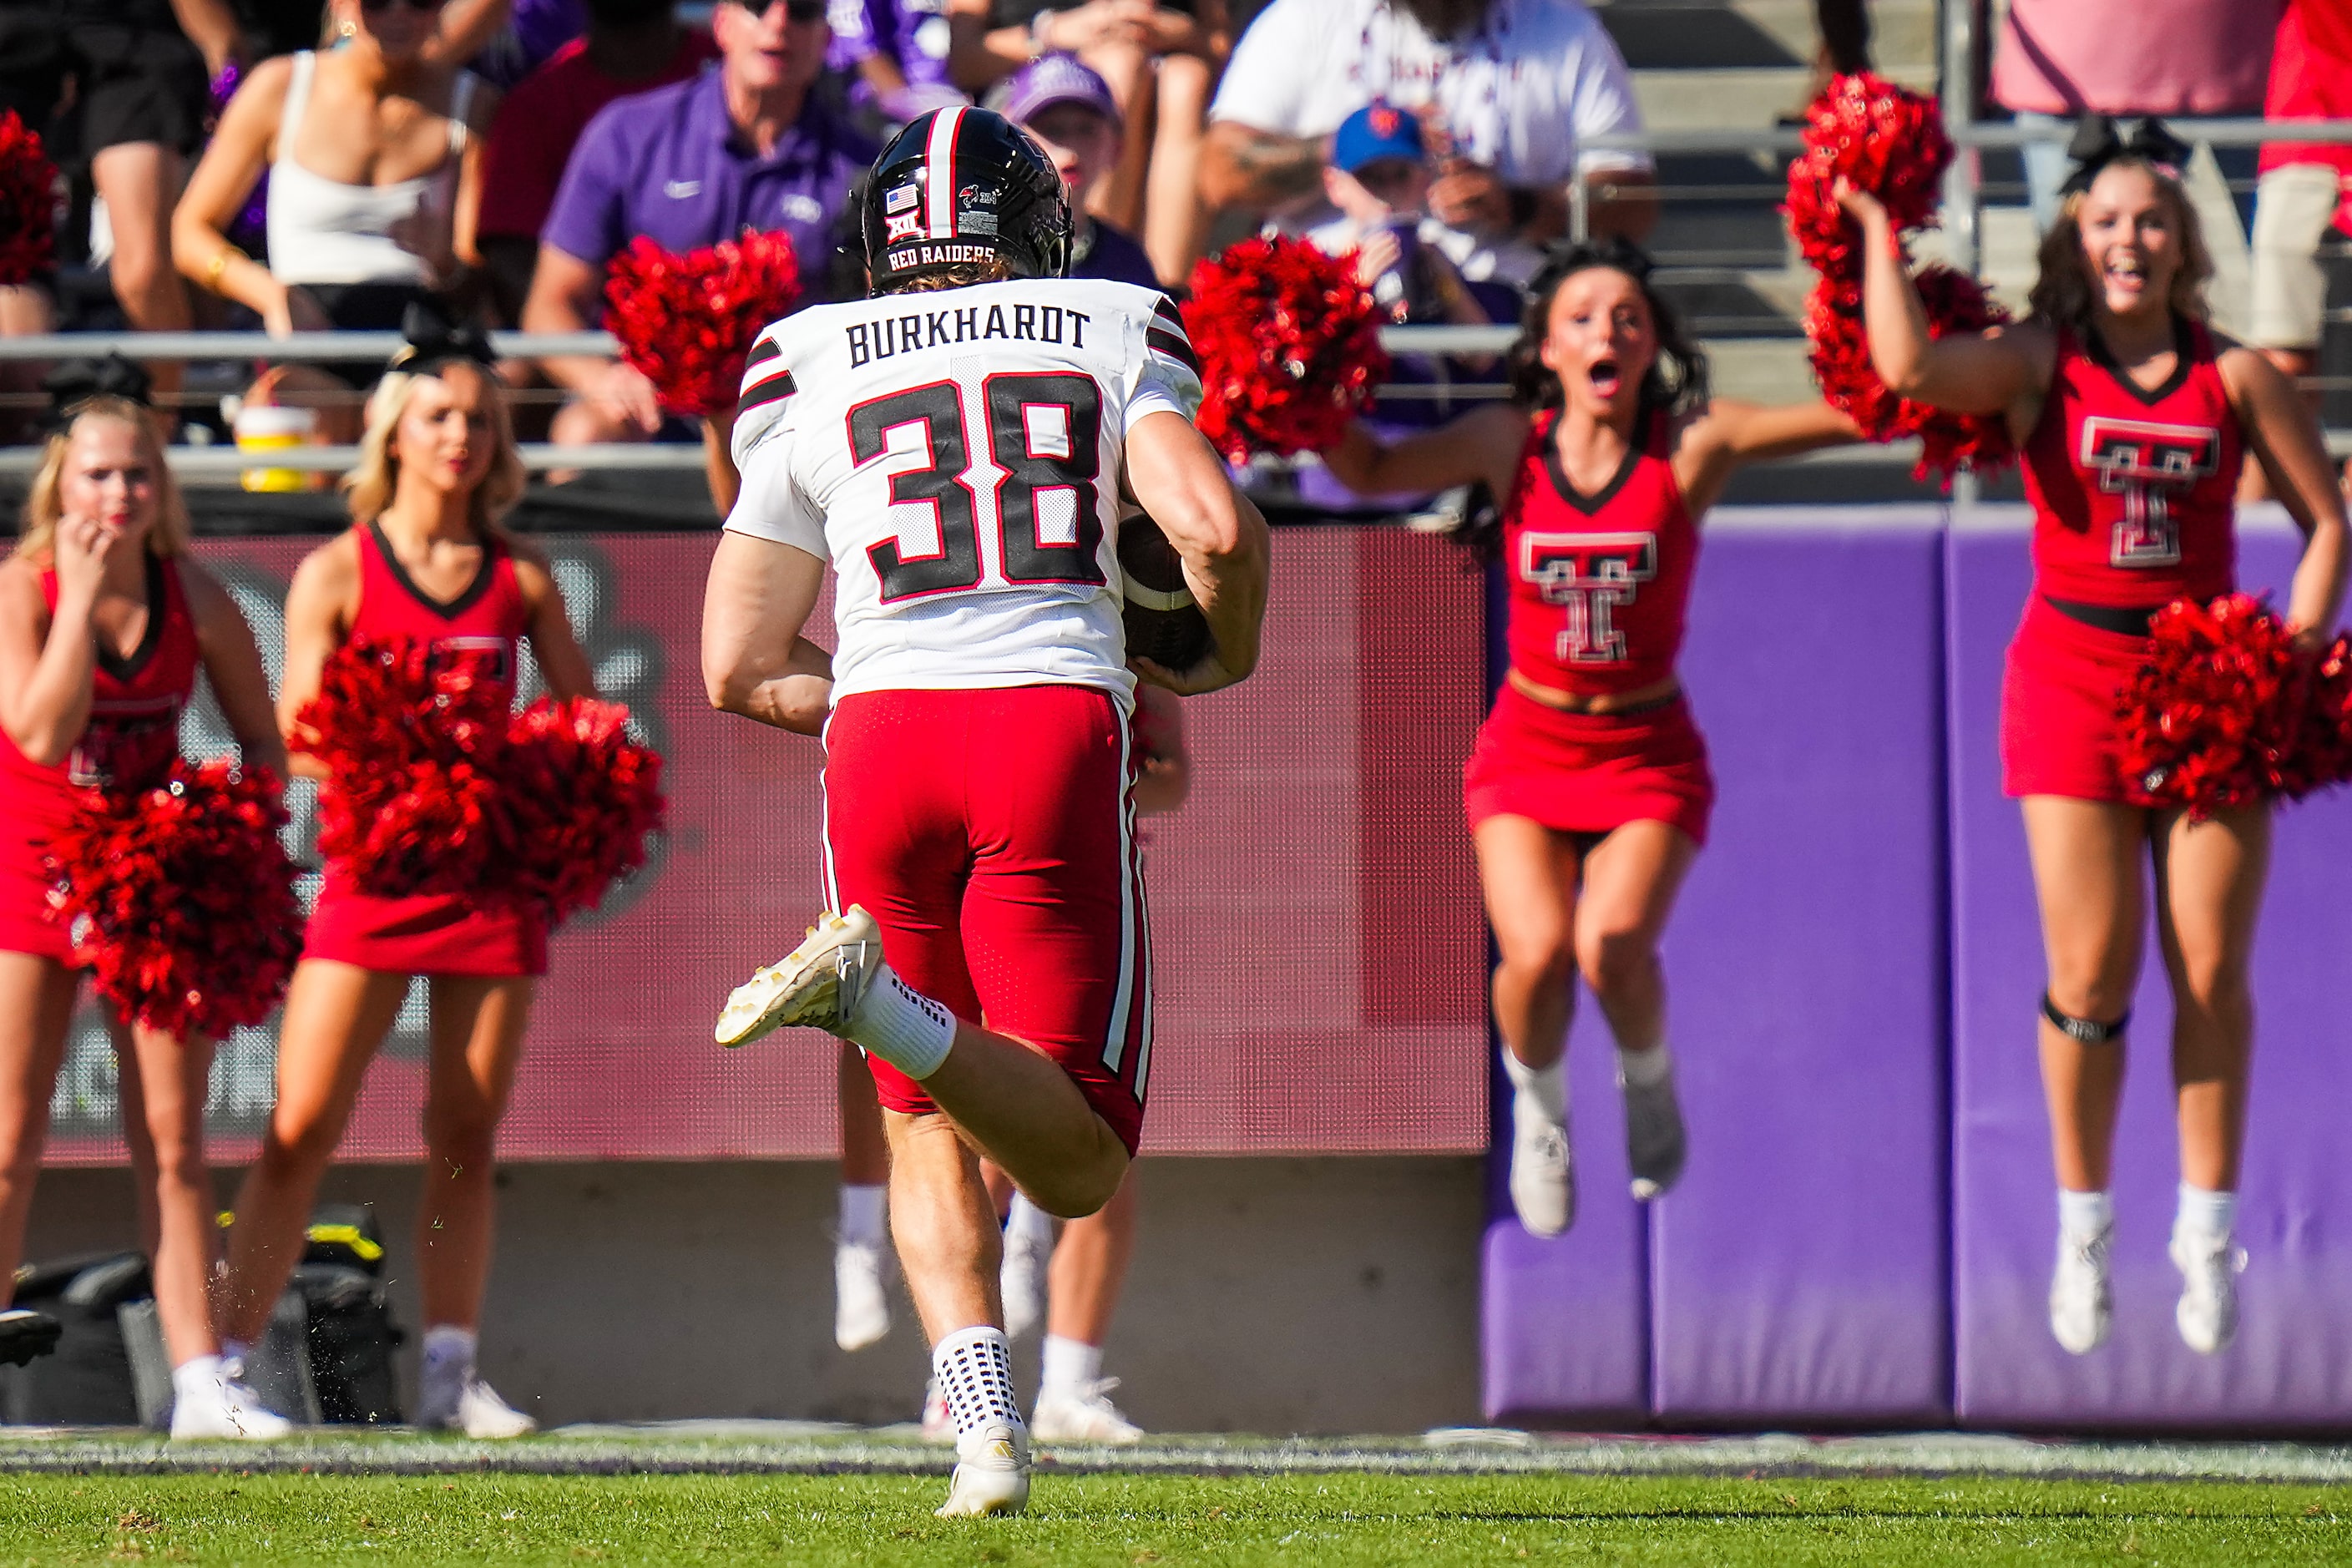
[[960, 456]]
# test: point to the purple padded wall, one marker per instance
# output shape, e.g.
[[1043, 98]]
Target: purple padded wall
[[2292, 1364], [1799, 1271]]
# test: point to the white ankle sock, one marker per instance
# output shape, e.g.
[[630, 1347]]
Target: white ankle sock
[[1027, 1221], [199, 1379], [974, 1368], [2212, 1213], [902, 1025], [1548, 1087], [2085, 1213], [1645, 1069], [863, 1214], [449, 1352], [237, 1352], [1072, 1367]]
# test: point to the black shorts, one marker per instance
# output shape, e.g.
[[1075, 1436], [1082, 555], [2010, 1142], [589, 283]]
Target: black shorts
[[131, 84], [363, 308]]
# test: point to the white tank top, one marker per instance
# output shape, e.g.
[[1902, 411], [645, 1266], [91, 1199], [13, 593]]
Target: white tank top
[[324, 231]]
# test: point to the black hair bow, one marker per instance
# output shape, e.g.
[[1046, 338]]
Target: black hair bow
[[2099, 141], [434, 339], [75, 382]]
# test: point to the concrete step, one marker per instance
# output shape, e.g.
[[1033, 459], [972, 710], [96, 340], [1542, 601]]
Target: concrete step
[[1741, 97], [1699, 33], [1760, 369]]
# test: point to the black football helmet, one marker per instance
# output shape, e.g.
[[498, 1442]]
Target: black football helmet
[[958, 187]]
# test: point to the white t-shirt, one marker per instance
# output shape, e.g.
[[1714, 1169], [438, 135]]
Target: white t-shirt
[[1518, 95], [959, 457]]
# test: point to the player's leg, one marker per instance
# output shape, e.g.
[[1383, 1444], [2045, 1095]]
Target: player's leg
[[862, 1263], [1030, 1232], [479, 1025], [37, 997], [2209, 883], [336, 1015], [2087, 876], [1088, 1271], [1630, 879], [1528, 875]]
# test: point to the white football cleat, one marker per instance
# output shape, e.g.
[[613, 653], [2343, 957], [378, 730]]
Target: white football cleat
[[938, 1421], [224, 1407], [2082, 1302], [1021, 1281], [862, 1275], [1655, 1146], [991, 1474], [2208, 1313], [819, 983], [1085, 1416], [1543, 1170], [472, 1407]]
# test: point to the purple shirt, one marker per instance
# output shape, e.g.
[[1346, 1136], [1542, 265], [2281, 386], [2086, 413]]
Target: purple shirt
[[671, 164], [912, 33], [1115, 257]]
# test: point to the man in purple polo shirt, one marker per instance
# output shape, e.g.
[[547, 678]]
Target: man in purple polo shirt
[[1067, 107], [745, 146]]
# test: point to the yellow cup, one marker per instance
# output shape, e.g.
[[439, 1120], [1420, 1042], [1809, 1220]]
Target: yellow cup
[[264, 427]]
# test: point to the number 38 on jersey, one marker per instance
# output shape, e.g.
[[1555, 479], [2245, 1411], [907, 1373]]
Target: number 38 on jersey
[[959, 467]]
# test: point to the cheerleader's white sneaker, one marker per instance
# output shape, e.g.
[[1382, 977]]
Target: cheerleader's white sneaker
[[1543, 1170], [209, 1402], [2082, 1301], [2207, 1315]]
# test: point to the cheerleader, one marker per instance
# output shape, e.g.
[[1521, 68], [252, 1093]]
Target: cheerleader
[[104, 622], [1588, 793], [2135, 420], [425, 559]]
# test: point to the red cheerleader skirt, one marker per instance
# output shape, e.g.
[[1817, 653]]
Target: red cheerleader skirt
[[1589, 772], [2059, 731], [25, 884], [433, 934]]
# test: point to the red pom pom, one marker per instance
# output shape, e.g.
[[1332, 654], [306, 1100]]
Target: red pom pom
[[2218, 711], [1886, 140], [1955, 302], [687, 321], [410, 735], [577, 799], [27, 204], [1289, 345], [184, 898]]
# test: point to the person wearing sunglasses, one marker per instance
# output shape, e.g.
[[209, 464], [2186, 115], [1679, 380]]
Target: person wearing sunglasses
[[747, 146], [373, 149]]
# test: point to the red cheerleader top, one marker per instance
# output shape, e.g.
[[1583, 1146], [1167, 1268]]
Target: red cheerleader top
[[1600, 584], [133, 733], [2133, 492], [487, 616]]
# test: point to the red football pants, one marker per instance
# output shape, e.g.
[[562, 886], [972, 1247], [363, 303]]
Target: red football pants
[[992, 835]]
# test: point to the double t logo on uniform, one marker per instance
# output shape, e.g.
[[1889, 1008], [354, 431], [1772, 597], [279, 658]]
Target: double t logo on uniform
[[1588, 575], [2146, 464]]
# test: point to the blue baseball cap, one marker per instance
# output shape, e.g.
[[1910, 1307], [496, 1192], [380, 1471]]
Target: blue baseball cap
[[1375, 131], [1049, 79]]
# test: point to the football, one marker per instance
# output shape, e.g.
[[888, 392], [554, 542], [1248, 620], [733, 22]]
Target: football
[[1163, 624]]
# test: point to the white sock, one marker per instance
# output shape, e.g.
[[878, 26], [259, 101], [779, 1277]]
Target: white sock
[[1548, 1087], [199, 1379], [1645, 1069], [448, 1354], [2085, 1213], [237, 1352], [1072, 1367], [902, 1025], [1026, 1220], [863, 1212], [974, 1370], [2209, 1213]]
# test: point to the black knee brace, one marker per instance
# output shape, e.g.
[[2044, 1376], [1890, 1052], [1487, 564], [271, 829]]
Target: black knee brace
[[2084, 1031]]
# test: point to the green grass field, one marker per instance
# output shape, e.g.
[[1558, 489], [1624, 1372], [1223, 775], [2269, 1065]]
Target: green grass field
[[1128, 1519]]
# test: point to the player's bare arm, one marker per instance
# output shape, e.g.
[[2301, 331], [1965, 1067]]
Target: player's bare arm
[[754, 660], [1177, 477]]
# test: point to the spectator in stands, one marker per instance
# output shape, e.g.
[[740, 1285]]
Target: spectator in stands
[[895, 53], [1379, 179], [746, 146], [2302, 194], [1507, 90], [1161, 61], [2174, 58], [373, 151], [1069, 109], [631, 46], [124, 84]]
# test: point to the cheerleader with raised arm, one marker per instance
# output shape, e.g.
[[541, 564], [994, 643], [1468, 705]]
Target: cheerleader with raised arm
[[2134, 418], [1589, 791], [104, 624]]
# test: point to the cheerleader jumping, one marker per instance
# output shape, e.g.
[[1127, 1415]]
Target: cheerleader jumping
[[425, 559], [2135, 419], [1588, 792], [104, 622]]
